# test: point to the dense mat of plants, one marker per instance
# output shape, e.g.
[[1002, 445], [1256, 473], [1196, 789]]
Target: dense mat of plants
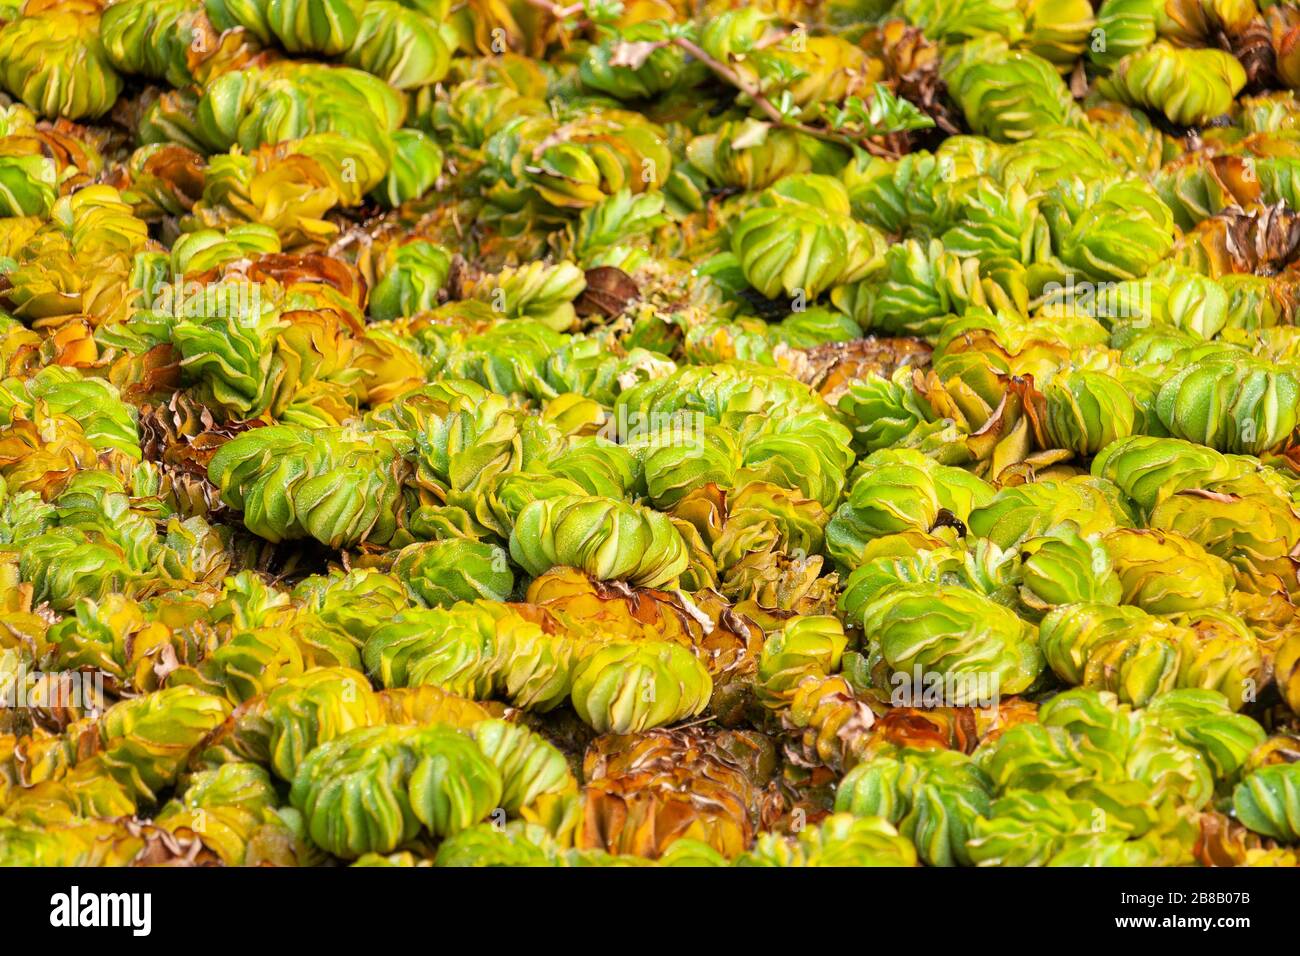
[[780, 433]]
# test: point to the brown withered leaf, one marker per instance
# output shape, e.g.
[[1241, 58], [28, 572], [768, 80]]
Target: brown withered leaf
[[827, 724], [1253, 48], [289, 269], [1222, 841], [645, 791], [833, 367], [184, 170], [951, 728], [727, 643], [1262, 240], [183, 434], [165, 848], [633, 53], [143, 378], [912, 68], [609, 292]]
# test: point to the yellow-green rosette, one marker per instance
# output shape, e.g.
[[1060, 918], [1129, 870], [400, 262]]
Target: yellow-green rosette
[[609, 539], [1086, 411], [440, 573], [627, 687], [1190, 87], [373, 789], [1268, 801], [1120, 649], [54, 62], [980, 649], [801, 239], [1165, 573]]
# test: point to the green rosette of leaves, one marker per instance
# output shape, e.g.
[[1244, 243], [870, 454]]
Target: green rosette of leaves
[[1189, 86], [399, 44], [1008, 95], [473, 650], [1019, 512], [1027, 828], [196, 252], [751, 155], [919, 288], [728, 393], [1120, 649], [55, 63], [321, 27], [909, 557], [1204, 720], [842, 839], [608, 539], [883, 411], [598, 467], [802, 240], [415, 168], [933, 797], [463, 438], [1108, 230], [913, 195], [941, 21], [28, 185], [64, 565], [1086, 411], [234, 810], [807, 452], [1268, 801], [249, 14], [291, 100], [294, 482], [256, 659], [107, 422], [515, 844], [412, 276], [1240, 405], [1165, 573], [352, 603], [809, 646], [441, 573], [614, 224], [152, 38], [230, 358], [1002, 224], [1149, 470], [531, 769], [1059, 30], [316, 706], [628, 687], [574, 164], [1065, 567], [1223, 654], [981, 649], [537, 291], [146, 740], [677, 463], [375, 788], [1127, 26], [114, 636], [1245, 522], [900, 490]]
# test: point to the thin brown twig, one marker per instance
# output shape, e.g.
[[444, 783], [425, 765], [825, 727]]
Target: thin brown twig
[[764, 104], [560, 13], [738, 81]]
